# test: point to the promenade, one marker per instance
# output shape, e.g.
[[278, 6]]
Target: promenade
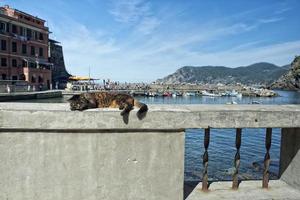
[[14, 96]]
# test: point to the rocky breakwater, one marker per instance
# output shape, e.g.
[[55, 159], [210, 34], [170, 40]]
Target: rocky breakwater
[[290, 80], [253, 92]]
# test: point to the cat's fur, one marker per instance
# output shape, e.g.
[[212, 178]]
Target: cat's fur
[[122, 101]]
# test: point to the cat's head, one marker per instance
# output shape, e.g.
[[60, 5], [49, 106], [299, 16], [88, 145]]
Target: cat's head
[[78, 102]]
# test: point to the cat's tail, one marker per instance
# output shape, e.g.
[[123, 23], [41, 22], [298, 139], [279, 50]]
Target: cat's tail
[[143, 108]]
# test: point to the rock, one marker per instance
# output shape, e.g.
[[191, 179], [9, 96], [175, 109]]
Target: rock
[[290, 80]]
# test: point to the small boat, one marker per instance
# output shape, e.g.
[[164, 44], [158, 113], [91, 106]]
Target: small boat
[[167, 94], [205, 93], [150, 94], [233, 93], [255, 102], [188, 94]]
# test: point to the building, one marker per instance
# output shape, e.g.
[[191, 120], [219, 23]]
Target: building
[[60, 76], [24, 43]]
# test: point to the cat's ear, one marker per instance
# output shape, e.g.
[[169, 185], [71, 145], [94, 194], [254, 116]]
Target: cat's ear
[[74, 97]]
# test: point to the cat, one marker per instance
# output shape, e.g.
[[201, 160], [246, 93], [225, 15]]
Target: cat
[[122, 101]]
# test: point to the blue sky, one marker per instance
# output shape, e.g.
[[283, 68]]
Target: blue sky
[[142, 40]]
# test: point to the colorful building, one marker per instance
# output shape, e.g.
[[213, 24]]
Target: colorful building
[[24, 44]]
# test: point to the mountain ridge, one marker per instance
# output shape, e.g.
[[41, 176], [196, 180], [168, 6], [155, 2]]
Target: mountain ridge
[[257, 73]]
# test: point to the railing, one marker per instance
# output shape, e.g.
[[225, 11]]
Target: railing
[[153, 145], [235, 179]]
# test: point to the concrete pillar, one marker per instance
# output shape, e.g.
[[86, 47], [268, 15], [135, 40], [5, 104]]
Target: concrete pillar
[[289, 169]]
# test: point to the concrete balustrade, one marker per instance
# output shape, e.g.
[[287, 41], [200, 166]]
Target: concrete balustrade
[[49, 152]]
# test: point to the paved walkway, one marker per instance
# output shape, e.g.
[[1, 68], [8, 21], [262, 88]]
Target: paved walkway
[[247, 190]]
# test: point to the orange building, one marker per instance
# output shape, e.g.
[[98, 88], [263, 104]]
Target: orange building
[[24, 48]]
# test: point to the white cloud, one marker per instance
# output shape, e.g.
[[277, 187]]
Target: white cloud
[[270, 20], [148, 24], [129, 11], [135, 13]]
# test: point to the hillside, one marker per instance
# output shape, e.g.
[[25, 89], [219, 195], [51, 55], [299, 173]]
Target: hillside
[[291, 79], [258, 73]]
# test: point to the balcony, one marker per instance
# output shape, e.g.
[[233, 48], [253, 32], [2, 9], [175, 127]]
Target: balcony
[[49, 152]]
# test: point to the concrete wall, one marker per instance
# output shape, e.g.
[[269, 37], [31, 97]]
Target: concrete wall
[[49, 152], [76, 166], [290, 156], [77, 163]]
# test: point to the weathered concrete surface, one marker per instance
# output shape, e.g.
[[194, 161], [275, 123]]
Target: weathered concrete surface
[[50, 116], [50, 152], [247, 190], [91, 166], [290, 157]]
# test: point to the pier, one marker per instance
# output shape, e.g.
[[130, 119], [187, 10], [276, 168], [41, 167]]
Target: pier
[[54, 153]]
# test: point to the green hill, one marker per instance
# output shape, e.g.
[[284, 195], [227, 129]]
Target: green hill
[[258, 73]]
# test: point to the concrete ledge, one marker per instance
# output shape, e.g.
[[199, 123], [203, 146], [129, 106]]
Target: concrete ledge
[[58, 116]]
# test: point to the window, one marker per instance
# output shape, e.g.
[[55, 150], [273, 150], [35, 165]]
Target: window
[[29, 33], [3, 76], [35, 35], [41, 53], [14, 63], [14, 47], [21, 31], [2, 26], [41, 80], [7, 27], [22, 77], [33, 79], [24, 48], [3, 62], [32, 50], [3, 45], [41, 36], [14, 29]]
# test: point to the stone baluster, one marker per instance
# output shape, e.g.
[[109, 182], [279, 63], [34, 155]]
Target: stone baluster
[[205, 160], [238, 138], [267, 159]]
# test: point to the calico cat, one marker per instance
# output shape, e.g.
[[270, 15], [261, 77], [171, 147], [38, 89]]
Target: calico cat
[[122, 101]]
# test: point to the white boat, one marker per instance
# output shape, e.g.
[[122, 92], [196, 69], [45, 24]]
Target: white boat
[[205, 93], [188, 94], [233, 93]]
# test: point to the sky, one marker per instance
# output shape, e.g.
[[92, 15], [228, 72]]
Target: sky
[[143, 40]]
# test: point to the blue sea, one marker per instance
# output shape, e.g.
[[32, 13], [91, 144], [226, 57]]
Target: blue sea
[[222, 141]]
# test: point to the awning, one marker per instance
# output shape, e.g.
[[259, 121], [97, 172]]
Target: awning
[[81, 78]]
